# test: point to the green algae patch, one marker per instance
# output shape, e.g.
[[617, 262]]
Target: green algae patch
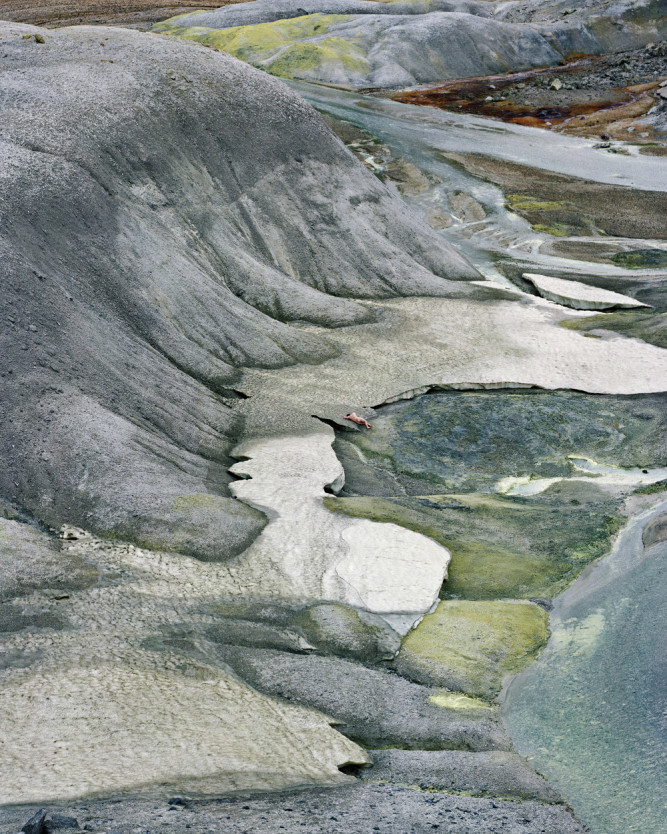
[[650, 327], [652, 489], [455, 442], [554, 229], [287, 48], [523, 202], [641, 259], [553, 217], [459, 703], [471, 646], [591, 207], [435, 465], [481, 570], [504, 547]]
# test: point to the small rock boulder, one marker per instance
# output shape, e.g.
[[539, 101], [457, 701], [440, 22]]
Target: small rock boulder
[[59, 822], [35, 824]]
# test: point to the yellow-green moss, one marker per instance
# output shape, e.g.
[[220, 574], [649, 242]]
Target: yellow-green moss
[[523, 202], [652, 489], [502, 548], [301, 57], [461, 703], [641, 259], [283, 47], [651, 327], [196, 501], [556, 229], [495, 571], [471, 646]]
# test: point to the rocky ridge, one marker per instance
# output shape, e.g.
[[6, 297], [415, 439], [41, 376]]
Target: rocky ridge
[[387, 45], [123, 390]]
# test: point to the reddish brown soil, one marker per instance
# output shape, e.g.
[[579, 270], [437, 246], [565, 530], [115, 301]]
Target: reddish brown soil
[[114, 12], [470, 95]]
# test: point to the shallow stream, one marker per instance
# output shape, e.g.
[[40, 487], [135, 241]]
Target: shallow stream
[[424, 137], [591, 711]]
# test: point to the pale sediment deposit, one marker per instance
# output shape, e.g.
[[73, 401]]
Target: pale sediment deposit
[[306, 553], [579, 296], [202, 599]]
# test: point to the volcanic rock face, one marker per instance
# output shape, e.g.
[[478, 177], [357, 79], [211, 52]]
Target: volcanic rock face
[[392, 44], [166, 212]]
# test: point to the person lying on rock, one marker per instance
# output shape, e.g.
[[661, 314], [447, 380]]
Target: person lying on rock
[[357, 419]]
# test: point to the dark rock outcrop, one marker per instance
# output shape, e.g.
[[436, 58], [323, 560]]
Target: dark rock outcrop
[[35, 824], [494, 773], [372, 706]]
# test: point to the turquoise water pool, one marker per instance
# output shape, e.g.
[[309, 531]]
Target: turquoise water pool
[[591, 713]]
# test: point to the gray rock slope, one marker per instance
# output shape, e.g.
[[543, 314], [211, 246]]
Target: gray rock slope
[[357, 43], [166, 214], [265, 11]]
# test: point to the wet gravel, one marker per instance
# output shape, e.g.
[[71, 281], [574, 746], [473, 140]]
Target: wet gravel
[[354, 809], [590, 79]]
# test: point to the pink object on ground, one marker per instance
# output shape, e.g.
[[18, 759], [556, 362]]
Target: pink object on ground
[[357, 419]]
